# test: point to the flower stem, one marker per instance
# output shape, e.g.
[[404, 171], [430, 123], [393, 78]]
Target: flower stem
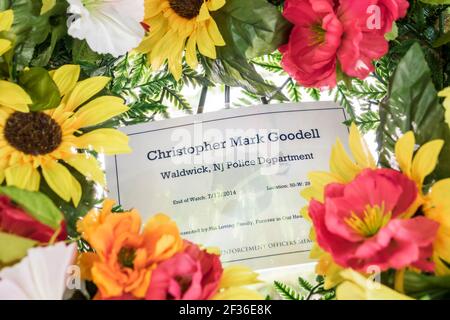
[[399, 284]]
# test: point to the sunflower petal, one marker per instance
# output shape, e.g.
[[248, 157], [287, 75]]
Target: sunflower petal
[[214, 5], [206, 44], [84, 90], [214, 33], [107, 141], [191, 51], [425, 160], [100, 110], [89, 167], [404, 150], [14, 97], [23, 177], [319, 180], [203, 15], [76, 191], [66, 78], [59, 179], [359, 149], [6, 20], [341, 164], [5, 45]]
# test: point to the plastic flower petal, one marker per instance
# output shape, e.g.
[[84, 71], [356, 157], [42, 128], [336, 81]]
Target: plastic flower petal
[[41, 275], [359, 224], [6, 21], [52, 137], [124, 257], [437, 208], [357, 287], [13, 96], [108, 26], [234, 282], [192, 274], [446, 94], [15, 220], [177, 26], [342, 167]]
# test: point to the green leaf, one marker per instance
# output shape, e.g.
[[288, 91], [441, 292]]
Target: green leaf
[[36, 204], [419, 285], [82, 54], [41, 88], [238, 72], [31, 28], [442, 40], [287, 292], [13, 248], [412, 104], [436, 2], [251, 28]]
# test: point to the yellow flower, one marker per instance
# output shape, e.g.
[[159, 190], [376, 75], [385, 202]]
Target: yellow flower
[[233, 282], [47, 5], [343, 168], [176, 25], [446, 93], [35, 143], [6, 21], [435, 203], [357, 287]]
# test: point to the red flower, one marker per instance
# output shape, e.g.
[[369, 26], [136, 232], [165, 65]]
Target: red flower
[[332, 34], [192, 274], [16, 221], [360, 224]]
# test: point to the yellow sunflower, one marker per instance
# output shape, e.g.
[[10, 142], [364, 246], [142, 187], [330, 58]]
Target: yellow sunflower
[[6, 21], [35, 143], [176, 25]]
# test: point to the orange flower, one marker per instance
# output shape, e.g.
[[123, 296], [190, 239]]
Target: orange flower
[[162, 238], [125, 257]]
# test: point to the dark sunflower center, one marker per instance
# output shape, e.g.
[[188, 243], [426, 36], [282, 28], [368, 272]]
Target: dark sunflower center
[[33, 133], [186, 8]]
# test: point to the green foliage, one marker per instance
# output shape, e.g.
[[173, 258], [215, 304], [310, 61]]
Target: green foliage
[[250, 29], [421, 286], [13, 248], [306, 290], [32, 30], [150, 92], [36, 204], [41, 88], [412, 104]]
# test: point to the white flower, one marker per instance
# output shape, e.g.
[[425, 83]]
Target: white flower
[[41, 275], [108, 26]]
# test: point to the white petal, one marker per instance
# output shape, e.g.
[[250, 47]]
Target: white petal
[[9, 290], [42, 274], [112, 27]]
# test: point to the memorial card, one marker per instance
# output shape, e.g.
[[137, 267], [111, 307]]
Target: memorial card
[[231, 179]]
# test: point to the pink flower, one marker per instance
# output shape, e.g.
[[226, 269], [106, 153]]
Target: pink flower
[[16, 221], [332, 35], [192, 274], [360, 223]]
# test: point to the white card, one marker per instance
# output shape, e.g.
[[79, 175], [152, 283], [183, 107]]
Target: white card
[[231, 179]]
